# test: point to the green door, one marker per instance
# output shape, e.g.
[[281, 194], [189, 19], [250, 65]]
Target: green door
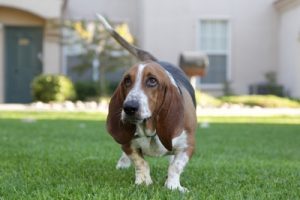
[[23, 52]]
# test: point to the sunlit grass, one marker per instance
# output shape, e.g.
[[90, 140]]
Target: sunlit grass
[[70, 156]]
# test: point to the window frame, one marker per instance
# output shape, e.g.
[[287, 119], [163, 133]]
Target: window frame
[[228, 52]]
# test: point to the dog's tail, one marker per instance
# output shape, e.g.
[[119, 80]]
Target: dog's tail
[[138, 53]]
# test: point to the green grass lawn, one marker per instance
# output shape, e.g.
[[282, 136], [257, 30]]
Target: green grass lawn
[[70, 156]]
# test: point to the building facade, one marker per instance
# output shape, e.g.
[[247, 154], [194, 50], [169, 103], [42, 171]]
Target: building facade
[[289, 45], [28, 45], [243, 39]]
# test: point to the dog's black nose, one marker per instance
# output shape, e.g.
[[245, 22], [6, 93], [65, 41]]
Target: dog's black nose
[[131, 107]]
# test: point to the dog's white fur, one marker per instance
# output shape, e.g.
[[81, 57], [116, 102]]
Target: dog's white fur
[[139, 95], [152, 146]]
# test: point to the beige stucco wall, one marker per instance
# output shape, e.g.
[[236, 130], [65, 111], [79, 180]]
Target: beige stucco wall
[[14, 17], [115, 10], [289, 49], [51, 48], [47, 9], [170, 27], [51, 58]]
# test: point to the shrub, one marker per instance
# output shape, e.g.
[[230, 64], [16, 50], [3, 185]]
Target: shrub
[[267, 89], [206, 100], [86, 90], [56, 88], [270, 101], [111, 87], [270, 87]]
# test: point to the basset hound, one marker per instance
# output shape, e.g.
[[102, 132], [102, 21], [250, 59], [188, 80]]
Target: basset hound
[[152, 113]]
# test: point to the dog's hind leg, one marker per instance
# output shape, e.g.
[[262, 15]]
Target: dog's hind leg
[[124, 162]]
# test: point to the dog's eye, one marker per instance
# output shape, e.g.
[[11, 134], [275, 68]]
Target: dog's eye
[[127, 82], [151, 82]]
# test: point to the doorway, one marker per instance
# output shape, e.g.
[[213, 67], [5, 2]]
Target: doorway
[[23, 52]]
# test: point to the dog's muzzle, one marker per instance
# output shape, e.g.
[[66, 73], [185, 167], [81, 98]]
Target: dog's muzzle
[[131, 109]]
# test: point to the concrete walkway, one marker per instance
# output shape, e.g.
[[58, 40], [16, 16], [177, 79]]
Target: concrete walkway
[[234, 110], [256, 111]]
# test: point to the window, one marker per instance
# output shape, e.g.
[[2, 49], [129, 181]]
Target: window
[[214, 41]]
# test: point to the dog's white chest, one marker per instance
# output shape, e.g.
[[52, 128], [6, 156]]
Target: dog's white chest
[[150, 146], [148, 142]]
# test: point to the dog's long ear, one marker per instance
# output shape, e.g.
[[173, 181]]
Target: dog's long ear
[[138, 53], [121, 132], [169, 119]]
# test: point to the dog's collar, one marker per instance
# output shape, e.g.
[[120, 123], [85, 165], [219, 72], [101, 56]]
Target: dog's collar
[[146, 136], [140, 128]]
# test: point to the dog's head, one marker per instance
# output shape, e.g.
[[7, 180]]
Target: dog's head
[[147, 94]]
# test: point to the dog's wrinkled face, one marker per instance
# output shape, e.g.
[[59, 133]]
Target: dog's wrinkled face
[[149, 96], [143, 86]]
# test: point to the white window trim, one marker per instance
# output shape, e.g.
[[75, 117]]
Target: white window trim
[[229, 51]]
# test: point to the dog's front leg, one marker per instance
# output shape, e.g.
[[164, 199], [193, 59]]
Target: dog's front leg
[[175, 169], [142, 170]]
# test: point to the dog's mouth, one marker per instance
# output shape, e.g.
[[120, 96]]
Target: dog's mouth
[[135, 120]]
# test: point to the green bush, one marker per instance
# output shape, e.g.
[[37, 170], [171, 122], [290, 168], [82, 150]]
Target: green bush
[[111, 87], [269, 101], [86, 90], [206, 100], [56, 88]]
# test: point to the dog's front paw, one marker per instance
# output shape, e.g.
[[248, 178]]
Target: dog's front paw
[[173, 185], [143, 179]]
